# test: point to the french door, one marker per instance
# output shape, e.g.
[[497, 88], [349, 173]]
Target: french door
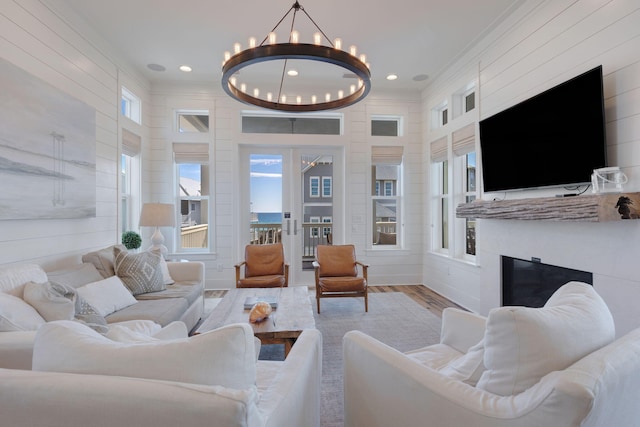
[[292, 195]]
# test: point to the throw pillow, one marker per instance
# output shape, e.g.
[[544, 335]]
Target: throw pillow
[[467, 368], [523, 344], [225, 356], [13, 279], [141, 273], [52, 300], [17, 315], [103, 260], [88, 315], [166, 276], [107, 295]]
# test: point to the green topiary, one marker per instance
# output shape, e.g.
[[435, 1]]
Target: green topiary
[[131, 240]]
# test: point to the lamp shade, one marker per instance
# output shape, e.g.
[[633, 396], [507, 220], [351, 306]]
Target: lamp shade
[[158, 215]]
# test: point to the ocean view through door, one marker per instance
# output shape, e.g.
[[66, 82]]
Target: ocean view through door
[[292, 199]]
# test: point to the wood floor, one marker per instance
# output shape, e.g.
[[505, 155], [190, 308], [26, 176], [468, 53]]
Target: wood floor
[[424, 296]]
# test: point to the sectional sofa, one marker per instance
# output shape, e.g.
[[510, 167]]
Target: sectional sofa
[[181, 297]]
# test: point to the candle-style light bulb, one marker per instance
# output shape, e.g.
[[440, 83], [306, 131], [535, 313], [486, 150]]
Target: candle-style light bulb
[[252, 42], [314, 99], [327, 97], [337, 43], [256, 92], [363, 58], [352, 88], [317, 38], [227, 56], [233, 81], [269, 96], [283, 99], [353, 50], [298, 99], [340, 94], [237, 48], [295, 36], [272, 38], [243, 87]]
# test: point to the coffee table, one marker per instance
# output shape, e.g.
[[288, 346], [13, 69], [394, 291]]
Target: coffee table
[[283, 326]]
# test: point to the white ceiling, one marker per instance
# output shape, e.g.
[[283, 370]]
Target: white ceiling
[[405, 37]]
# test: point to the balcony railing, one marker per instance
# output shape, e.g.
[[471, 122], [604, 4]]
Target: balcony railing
[[194, 236]]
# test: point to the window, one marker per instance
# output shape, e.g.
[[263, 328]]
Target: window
[[130, 105], [314, 186], [386, 125], [440, 115], [192, 121], [192, 176], [314, 231], [386, 173], [469, 102], [129, 181], [453, 182], [326, 186], [326, 231], [326, 124]]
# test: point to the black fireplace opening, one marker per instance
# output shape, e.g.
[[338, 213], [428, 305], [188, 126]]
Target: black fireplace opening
[[531, 283]]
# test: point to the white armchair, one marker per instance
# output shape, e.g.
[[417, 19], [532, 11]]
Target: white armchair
[[553, 366]]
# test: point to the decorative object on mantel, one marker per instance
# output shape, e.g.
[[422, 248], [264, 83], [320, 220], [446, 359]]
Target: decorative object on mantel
[[585, 208], [260, 311], [276, 97], [608, 180], [158, 215]]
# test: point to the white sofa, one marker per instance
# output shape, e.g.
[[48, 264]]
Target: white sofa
[[554, 366], [206, 380], [181, 301]]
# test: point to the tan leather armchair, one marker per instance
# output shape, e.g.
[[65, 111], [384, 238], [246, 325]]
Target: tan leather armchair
[[264, 267], [336, 271]]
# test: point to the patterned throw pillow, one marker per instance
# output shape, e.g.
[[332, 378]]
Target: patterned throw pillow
[[140, 273], [85, 313]]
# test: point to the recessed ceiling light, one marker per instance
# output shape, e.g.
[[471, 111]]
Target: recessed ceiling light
[[392, 77], [185, 68], [292, 72], [420, 78], [156, 67]]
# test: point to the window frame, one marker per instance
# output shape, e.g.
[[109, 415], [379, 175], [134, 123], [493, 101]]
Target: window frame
[[206, 198], [130, 105], [324, 180], [314, 194]]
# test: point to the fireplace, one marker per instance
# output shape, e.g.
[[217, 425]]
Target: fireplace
[[531, 283]]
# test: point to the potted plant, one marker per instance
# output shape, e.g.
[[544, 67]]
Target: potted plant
[[131, 240]]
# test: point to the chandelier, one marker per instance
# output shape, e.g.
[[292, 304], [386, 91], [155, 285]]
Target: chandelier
[[293, 49]]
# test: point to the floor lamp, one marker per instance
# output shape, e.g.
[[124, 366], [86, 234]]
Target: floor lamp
[[158, 215]]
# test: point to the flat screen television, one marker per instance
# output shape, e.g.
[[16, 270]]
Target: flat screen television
[[554, 139]]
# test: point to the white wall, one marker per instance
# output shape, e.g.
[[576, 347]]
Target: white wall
[[388, 266], [34, 38], [541, 45]]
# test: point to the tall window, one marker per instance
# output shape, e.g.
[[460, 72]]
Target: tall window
[[192, 176], [386, 190], [440, 195], [314, 186], [129, 181], [454, 181]]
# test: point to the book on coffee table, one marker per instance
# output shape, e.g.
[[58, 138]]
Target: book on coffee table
[[249, 302]]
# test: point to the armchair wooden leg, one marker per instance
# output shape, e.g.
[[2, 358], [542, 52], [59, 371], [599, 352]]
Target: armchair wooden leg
[[318, 303], [366, 302]]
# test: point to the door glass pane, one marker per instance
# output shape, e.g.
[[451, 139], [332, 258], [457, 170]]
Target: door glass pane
[[317, 205], [265, 198]]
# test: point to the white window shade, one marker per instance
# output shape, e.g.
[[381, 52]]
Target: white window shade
[[439, 150], [388, 155], [464, 140], [131, 143], [191, 152]]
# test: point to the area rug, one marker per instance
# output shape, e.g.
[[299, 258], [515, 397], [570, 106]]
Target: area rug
[[393, 318]]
